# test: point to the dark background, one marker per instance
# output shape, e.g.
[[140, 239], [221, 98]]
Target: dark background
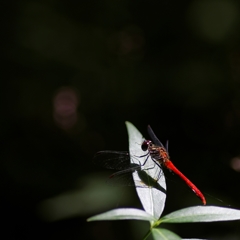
[[74, 71]]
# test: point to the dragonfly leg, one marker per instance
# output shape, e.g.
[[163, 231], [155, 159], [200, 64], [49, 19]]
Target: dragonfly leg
[[148, 155], [142, 155]]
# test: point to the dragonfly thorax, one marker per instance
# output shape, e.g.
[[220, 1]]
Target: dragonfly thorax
[[156, 152]]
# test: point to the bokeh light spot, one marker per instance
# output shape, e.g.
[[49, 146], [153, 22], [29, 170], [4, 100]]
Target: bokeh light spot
[[65, 104], [235, 164]]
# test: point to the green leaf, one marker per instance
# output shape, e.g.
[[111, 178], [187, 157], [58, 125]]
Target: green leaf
[[152, 193], [123, 214], [164, 234], [202, 214]]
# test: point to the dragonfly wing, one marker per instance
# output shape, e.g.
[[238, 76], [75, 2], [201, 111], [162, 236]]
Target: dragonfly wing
[[124, 177], [112, 160], [154, 137]]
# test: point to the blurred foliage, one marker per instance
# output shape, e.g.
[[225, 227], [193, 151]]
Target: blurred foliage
[[73, 72]]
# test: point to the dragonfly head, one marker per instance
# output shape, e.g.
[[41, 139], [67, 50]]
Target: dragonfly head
[[146, 144]]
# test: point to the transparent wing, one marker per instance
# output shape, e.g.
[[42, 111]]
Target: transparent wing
[[112, 160], [124, 177], [154, 137]]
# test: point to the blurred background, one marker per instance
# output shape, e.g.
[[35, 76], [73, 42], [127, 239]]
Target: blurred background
[[73, 72]]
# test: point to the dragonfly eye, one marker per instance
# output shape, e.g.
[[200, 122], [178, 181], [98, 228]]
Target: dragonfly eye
[[145, 145]]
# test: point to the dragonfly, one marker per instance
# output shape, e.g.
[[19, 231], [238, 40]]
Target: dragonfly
[[155, 151]]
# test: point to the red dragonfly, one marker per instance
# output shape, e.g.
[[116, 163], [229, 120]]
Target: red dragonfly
[[160, 156], [155, 151]]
